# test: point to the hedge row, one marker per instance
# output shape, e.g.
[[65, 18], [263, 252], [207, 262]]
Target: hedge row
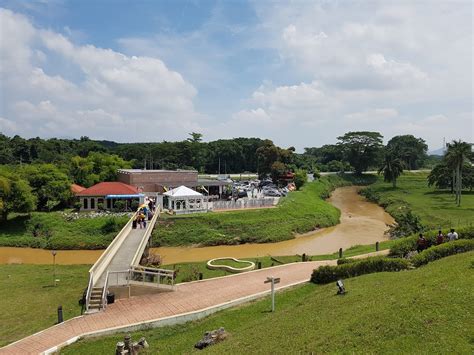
[[326, 274], [408, 244], [440, 251]]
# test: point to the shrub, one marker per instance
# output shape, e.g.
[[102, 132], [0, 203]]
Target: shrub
[[407, 223], [441, 251], [111, 225], [301, 176], [346, 261], [134, 205], [119, 206], [326, 274]]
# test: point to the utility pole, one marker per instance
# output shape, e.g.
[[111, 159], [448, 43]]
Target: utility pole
[[54, 252]]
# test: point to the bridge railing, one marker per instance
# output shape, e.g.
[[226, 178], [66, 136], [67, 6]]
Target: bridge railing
[[100, 266], [141, 248], [138, 276]]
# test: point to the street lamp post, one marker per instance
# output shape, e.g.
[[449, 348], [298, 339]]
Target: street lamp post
[[54, 252]]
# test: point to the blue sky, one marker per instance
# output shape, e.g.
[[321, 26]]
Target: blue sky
[[299, 72]]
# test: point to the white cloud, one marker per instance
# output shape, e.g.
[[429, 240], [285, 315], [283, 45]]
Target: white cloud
[[372, 115], [116, 96]]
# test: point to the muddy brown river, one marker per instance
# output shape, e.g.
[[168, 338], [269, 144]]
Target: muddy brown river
[[362, 222]]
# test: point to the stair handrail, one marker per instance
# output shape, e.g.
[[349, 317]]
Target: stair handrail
[[89, 289], [103, 302]]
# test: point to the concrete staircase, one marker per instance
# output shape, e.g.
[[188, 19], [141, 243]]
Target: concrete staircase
[[95, 302]]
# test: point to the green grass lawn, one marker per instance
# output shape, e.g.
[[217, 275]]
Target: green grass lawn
[[57, 232], [436, 208], [29, 301], [427, 310], [299, 212]]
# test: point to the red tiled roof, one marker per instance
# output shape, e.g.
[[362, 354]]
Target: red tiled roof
[[75, 188], [109, 188]]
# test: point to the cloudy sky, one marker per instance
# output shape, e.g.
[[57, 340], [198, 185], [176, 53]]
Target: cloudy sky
[[300, 73]]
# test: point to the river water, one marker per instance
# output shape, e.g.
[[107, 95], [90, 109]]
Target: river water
[[362, 222]]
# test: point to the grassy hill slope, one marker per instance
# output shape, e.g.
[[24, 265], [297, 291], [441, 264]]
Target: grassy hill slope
[[427, 310], [436, 208]]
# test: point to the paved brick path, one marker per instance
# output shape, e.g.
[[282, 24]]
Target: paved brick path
[[187, 298]]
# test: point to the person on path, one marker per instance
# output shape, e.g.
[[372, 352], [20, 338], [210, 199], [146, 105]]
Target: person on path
[[440, 238], [452, 235], [421, 243]]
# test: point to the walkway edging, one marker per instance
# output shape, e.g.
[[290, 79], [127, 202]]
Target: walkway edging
[[172, 320]]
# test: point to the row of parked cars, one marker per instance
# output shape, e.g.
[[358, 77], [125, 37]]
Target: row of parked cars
[[254, 188]]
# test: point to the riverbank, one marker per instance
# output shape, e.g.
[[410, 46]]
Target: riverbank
[[435, 208], [62, 230], [361, 223], [380, 313], [299, 212]]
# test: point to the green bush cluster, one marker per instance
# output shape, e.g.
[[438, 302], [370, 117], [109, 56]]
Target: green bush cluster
[[408, 244], [440, 251], [326, 274], [55, 230], [346, 261]]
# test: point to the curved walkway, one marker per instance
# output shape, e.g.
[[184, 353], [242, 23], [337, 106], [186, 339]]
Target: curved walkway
[[195, 298]]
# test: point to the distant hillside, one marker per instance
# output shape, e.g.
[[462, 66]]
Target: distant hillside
[[439, 152]]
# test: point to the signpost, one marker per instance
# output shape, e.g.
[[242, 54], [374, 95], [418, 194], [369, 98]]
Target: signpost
[[273, 281]]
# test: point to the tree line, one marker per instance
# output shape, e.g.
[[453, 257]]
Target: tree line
[[39, 172]]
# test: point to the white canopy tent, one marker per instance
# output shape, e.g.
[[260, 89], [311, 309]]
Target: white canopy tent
[[185, 200]]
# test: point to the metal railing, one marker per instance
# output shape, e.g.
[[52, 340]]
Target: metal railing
[[147, 276], [101, 264], [89, 289], [138, 276], [141, 248]]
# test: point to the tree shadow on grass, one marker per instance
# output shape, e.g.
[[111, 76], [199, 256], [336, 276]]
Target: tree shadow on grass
[[448, 192], [15, 225]]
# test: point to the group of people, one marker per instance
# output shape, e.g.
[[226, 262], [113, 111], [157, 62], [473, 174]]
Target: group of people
[[144, 212], [422, 243]]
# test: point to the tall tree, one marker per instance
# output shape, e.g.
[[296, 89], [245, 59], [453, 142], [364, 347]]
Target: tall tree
[[392, 168], [15, 196], [361, 149], [195, 137], [457, 154], [408, 148]]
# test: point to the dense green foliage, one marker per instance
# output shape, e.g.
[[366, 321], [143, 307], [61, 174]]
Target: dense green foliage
[[55, 230], [15, 195], [326, 274], [409, 149], [299, 212], [95, 167], [455, 170], [442, 250], [29, 299], [361, 149], [427, 310], [392, 167], [433, 208]]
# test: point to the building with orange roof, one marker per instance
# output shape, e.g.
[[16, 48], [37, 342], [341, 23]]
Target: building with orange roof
[[106, 194]]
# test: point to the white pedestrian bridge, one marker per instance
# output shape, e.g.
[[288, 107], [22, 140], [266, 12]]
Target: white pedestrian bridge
[[119, 267]]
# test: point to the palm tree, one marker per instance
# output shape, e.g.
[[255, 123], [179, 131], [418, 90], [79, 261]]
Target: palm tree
[[392, 168], [457, 154]]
